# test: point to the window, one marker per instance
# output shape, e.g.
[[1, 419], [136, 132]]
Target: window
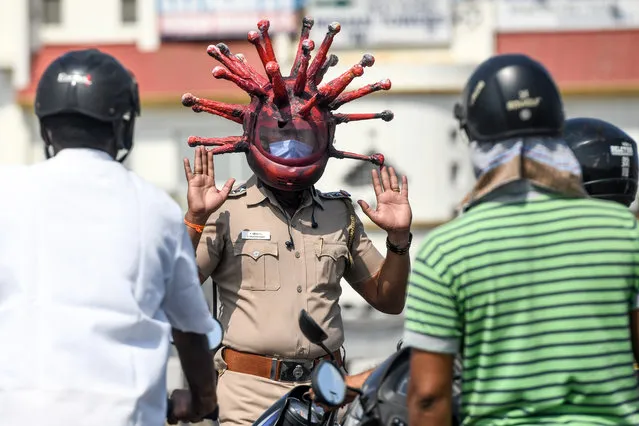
[[51, 11], [129, 11]]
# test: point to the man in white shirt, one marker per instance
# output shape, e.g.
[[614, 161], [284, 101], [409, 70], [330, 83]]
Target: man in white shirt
[[96, 268]]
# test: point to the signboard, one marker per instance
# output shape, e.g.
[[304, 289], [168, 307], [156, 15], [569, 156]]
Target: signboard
[[566, 15], [384, 22], [225, 18]]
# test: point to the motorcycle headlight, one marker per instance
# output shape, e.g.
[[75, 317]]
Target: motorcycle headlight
[[354, 414]]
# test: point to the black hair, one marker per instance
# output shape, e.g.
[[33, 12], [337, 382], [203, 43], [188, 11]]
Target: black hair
[[69, 130]]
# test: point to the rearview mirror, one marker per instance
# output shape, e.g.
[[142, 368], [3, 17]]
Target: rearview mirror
[[328, 384], [311, 330], [215, 336]]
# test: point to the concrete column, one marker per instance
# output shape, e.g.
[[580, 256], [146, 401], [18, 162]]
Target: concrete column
[[149, 34], [14, 132]]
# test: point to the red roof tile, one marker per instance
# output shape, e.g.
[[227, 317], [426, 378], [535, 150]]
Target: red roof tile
[[163, 75], [586, 60]]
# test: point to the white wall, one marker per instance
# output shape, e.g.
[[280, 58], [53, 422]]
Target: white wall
[[15, 139], [474, 38], [15, 45], [620, 111], [417, 141], [94, 22]]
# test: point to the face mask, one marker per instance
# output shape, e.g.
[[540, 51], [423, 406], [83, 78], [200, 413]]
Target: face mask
[[290, 149]]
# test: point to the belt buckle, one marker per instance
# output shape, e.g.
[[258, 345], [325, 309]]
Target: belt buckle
[[292, 370]]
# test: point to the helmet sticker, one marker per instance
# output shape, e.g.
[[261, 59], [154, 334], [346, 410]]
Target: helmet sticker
[[625, 150], [75, 78], [524, 101]]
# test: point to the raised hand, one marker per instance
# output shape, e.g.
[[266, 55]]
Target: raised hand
[[393, 212], [203, 197]]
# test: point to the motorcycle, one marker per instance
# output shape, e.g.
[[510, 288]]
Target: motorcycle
[[327, 382], [382, 399]]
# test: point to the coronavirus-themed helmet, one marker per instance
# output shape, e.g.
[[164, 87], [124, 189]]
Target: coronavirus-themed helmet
[[289, 125], [608, 158]]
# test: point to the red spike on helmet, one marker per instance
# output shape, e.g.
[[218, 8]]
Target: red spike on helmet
[[288, 125]]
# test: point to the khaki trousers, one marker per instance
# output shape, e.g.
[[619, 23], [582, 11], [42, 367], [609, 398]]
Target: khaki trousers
[[243, 397]]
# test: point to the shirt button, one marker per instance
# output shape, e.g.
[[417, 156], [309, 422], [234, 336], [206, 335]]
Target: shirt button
[[256, 253], [299, 288], [297, 254]]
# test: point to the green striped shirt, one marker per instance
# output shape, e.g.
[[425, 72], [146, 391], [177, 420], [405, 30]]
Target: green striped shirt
[[537, 293]]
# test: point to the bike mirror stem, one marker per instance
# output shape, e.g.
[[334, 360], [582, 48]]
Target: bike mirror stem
[[328, 352]]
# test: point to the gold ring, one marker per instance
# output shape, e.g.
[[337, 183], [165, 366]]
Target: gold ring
[[395, 189]]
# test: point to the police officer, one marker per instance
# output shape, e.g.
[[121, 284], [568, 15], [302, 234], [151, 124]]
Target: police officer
[[263, 284], [276, 244], [95, 267], [608, 158]]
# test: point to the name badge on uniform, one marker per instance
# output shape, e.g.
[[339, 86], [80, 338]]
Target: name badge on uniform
[[256, 235]]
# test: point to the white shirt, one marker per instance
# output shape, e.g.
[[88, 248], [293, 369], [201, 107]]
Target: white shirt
[[95, 268]]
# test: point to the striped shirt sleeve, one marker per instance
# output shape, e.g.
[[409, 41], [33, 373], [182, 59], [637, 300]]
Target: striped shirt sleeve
[[432, 320], [635, 228]]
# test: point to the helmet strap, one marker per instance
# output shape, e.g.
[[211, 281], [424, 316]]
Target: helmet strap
[[49, 152], [123, 131]]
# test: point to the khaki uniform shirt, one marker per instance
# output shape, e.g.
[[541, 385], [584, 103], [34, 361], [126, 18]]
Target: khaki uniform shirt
[[263, 285]]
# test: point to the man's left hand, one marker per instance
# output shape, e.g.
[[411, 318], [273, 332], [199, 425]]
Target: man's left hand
[[393, 212]]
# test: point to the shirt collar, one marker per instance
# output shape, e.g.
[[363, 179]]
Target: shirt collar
[[514, 191], [84, 153], [256, 193]]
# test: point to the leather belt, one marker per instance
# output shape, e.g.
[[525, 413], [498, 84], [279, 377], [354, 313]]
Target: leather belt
[[283, 370]]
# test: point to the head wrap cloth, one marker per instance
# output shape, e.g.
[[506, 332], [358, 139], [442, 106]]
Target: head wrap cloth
[[546, 162]]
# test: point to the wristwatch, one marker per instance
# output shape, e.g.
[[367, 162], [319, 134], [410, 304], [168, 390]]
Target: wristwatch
[[399, 250]]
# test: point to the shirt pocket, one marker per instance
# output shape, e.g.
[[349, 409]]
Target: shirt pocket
[[332, 259], [258, 263]]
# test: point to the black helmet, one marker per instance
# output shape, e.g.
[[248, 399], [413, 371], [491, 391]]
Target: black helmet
[[508, 96], [608, 158], [94, 84]]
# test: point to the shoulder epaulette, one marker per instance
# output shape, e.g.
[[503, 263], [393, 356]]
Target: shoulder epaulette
[[334, 195], [236, 192]]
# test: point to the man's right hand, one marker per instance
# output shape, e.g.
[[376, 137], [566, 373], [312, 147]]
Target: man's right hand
[[183, 408], [203, 196]]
